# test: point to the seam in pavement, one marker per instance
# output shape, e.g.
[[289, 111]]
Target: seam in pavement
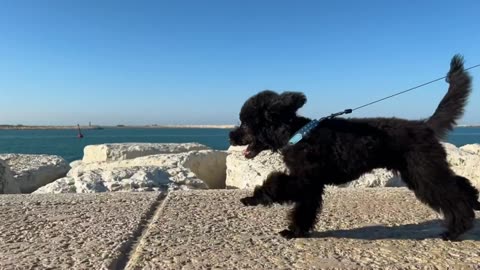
[[135, 251], [128, 249]]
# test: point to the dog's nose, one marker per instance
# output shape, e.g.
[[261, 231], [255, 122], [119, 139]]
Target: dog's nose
[[232, 139], [231, 135]]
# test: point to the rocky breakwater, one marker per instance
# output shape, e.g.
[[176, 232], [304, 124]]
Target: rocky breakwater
[[26, 173], [143, 167], [162, 167], [7, 183], [247, 173]]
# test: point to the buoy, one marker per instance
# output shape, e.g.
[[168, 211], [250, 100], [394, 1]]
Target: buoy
[[80, 135]]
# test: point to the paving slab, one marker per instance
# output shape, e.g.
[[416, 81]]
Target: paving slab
[[359, 228], [72, 231]]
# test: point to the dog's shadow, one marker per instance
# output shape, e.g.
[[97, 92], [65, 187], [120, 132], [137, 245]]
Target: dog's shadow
[[425, 230]]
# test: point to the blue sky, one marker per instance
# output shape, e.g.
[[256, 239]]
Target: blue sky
[[196, 62]]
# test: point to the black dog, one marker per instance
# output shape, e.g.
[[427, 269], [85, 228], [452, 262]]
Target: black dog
[[341, 150]]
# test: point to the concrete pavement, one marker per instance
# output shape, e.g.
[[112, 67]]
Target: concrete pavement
[[384, 228]]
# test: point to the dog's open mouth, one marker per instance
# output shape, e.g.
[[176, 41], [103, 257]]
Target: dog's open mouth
[[248, 152]]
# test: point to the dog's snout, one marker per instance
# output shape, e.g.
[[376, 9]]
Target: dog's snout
[[233, 137], [238, 137]]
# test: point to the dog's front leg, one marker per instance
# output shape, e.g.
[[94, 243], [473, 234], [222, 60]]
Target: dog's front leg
[[282, 188], [304, 215], [260, 196], [277, 188]]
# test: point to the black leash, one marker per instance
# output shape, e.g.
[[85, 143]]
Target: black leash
[[304, 131], [347, 111]]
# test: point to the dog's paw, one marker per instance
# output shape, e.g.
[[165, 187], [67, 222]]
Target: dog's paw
[[249, 201], [447, 236], [257, 199], [289, 234]]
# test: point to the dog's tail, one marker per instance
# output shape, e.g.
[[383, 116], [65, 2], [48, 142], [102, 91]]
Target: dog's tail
[[451, 107]]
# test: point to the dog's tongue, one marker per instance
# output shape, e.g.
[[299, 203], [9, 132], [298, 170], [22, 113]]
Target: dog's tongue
[[246, 152]]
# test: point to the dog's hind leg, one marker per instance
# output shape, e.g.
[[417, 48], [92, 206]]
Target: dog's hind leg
[[470, 191], [277, 188], [435, 185]]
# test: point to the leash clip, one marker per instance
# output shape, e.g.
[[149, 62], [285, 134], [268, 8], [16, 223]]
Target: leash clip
[[305, 130]]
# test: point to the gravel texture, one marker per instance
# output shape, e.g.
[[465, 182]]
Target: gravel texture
[[359, 228], [71, 231], [377, 228]]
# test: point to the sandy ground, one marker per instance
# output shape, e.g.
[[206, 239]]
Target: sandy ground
[[210, 229], [368, 229]]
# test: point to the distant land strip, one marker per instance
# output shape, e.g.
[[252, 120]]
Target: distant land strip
[[28, 127]]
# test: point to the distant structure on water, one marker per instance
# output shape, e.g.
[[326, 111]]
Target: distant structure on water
[[79, 135]]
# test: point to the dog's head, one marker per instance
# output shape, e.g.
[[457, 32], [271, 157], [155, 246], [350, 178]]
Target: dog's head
[[266, 121]]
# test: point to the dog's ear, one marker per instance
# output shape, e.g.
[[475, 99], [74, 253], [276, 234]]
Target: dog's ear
[[290, 101]]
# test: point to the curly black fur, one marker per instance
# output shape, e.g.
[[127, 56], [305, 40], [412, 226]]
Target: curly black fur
[[341, 150]]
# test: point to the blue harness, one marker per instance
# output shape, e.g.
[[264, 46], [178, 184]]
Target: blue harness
[[307, 129]]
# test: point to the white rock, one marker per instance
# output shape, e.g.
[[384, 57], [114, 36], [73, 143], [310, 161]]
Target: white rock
[[119, 179], [190, 170], [33, 171], [75, 163], [472, 148], [7, 182], [123, 151], [377, 178], [247, 173], [464, 162], [210, 166]]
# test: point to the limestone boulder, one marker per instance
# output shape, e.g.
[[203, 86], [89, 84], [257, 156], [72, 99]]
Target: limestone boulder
[[465, 161], [75, 163], [123, 151], [247, 173], [472, 148], [162, 172], [210, 166], [33, 171], [140, 178], [377, 178], [7, 182]]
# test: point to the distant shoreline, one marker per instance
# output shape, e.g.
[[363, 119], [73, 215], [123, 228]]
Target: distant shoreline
[[27, 127], [469, 126]]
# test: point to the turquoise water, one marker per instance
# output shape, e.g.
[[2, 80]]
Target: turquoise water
[[65, 143], [464, 135]]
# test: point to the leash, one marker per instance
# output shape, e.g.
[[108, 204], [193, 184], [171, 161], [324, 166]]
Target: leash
[[305, 130]]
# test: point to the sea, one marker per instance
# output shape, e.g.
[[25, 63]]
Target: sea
[[65, 143]]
